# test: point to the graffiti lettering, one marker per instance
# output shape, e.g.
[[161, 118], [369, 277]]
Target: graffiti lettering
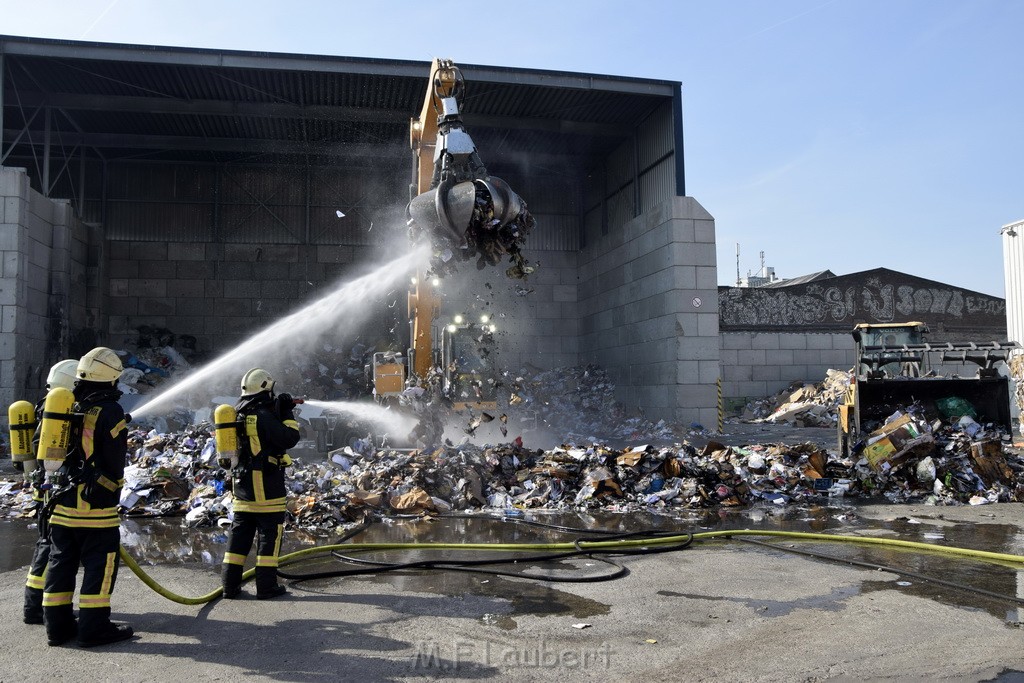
[[874, 302]]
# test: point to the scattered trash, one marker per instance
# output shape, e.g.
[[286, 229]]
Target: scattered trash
[[911, 457], [581, 626]]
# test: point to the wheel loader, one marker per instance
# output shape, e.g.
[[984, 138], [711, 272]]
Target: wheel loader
[[895, 368]]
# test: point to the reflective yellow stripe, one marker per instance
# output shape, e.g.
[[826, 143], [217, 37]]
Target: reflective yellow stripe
[[294, 424], [257, 486], [117, 429], [84, 511], [234, 558], [108, 576], [86, 522], [254, 437], [35, 582], [273, 505], [94, 601], [58, 599], [271, 560], [108, 484]]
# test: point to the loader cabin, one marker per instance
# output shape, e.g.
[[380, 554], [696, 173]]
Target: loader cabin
[[883, 350]]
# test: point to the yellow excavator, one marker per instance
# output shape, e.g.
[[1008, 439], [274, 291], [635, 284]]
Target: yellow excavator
[[464, 212]]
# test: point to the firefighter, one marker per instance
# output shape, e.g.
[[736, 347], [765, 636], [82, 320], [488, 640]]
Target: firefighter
[[266, 430], [61, 374], [84, 525]]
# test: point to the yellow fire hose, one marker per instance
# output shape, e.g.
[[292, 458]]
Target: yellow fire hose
[[581, 545]]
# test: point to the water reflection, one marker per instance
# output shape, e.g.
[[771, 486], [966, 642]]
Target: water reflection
[[164, 541]]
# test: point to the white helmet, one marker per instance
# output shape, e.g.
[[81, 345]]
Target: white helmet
[[63, 375], [255, 381], [100, 365]]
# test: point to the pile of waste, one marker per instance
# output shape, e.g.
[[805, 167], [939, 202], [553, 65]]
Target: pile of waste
[[906, 459], [579, 403], [802, 404]]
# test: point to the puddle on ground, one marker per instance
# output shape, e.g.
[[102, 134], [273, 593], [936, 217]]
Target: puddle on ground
[[163, 541], [833, 602]]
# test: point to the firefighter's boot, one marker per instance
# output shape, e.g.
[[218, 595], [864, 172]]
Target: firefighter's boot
[[266, 583], [231, 579], [60, 624], [33, 606]]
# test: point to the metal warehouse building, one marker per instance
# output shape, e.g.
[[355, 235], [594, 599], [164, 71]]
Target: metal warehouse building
[[198, 190]]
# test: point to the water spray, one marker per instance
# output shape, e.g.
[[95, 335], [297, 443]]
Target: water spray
[[390, 421], [347, 303]]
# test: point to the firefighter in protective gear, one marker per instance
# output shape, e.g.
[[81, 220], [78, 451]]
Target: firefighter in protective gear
[[266, 430], [61, 375], [84, 525]]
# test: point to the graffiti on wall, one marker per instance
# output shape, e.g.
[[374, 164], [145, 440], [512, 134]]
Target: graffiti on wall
[[873, 300]]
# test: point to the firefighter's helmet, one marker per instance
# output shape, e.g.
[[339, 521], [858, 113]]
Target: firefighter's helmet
[[100, 365], [255, 381], [63, 374]]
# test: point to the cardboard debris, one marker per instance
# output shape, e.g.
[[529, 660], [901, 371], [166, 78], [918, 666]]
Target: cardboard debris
[[951, 462]]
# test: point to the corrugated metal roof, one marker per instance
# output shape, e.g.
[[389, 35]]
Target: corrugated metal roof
[[179, 103]]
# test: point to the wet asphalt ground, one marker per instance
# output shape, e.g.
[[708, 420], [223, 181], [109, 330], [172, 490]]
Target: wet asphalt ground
[[716, 610]]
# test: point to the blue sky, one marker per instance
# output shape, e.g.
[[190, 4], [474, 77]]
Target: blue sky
[[840, 134]]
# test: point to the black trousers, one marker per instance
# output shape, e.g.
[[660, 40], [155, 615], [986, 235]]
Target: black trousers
[[37, 569], [95, 550], [266, 528]]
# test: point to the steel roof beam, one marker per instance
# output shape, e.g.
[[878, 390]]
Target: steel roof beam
[[397, 151], [277, 110], [67, 49]]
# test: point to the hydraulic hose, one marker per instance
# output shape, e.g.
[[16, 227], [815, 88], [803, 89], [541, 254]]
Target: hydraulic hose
[[619, 546]]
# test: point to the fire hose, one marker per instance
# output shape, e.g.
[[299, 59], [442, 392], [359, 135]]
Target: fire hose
[[634, 543]]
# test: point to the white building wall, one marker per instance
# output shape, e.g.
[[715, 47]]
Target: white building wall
[[1013, 272]]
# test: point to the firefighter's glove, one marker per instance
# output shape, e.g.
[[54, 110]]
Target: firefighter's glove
[[285, 407]]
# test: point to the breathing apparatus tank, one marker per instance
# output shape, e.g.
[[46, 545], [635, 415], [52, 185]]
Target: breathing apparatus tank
[[21, 417], [55, 431], [225, 422]]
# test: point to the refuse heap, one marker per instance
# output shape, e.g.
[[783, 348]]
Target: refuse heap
[[905, 460], [579, 403], [802, 404], [946, 459]]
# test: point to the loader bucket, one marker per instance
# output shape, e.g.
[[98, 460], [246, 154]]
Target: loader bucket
[[989, 396]]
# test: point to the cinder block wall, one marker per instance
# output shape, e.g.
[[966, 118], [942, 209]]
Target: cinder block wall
[[218, 293], [648, 302], [759, 364], [43, 288], [536, 318]]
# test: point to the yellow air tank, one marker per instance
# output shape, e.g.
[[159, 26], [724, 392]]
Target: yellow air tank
[[21, 416], [226, 435], [55, 433]]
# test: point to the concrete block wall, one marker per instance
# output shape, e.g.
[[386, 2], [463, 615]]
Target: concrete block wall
[[218, 293], [759, 364], [536, 318], [43, 249], [648, 303]]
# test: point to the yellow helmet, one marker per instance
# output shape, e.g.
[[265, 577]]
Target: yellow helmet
[[100, 365], [255, 381], [63, 375]]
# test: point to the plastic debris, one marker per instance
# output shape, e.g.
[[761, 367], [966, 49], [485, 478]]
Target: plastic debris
[[910, 457]]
